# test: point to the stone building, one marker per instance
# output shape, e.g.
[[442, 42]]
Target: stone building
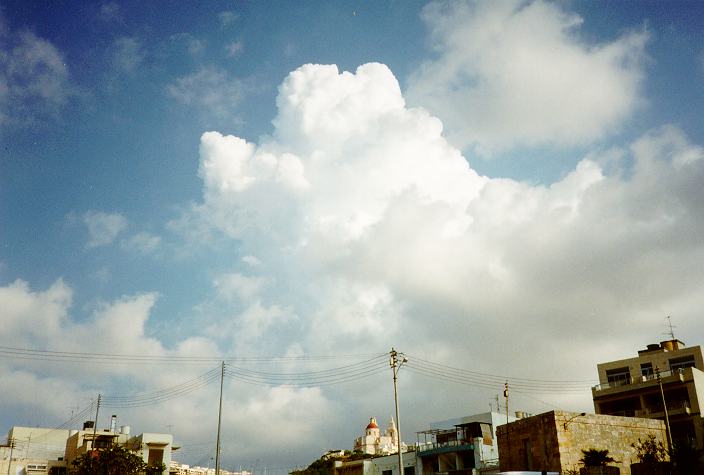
[[554, 440], [630, 387]]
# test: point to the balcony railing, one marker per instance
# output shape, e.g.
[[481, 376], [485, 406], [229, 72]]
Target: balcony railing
[[450, 445], [639, 379]]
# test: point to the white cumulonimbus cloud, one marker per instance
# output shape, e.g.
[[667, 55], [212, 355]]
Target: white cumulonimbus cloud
[[361, 205], [517, 73]]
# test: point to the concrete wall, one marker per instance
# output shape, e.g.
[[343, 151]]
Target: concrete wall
[[554, 440]]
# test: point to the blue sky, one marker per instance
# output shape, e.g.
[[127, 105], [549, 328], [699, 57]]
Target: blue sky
[[502, 173]]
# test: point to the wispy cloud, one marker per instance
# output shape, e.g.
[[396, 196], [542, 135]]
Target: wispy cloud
[[34, 79], [127, 55], [227, 18], [194, 46], [102, 227], [235, 48], [211, 91], [143, 242], [110, 12]]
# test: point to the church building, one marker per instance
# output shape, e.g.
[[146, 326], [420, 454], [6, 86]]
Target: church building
[[374, 443]]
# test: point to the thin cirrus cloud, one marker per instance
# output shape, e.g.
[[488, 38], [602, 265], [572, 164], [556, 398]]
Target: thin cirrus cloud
[[510, 74]]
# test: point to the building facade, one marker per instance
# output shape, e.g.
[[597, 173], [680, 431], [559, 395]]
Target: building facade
[[46, 451], [632, 387], [460, 445], [33, 450], [553, 441]]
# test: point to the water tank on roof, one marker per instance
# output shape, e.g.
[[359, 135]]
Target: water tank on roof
[[87, 425], [125, 430]]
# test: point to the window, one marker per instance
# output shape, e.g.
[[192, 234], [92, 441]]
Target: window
[[682, 362], [618, 376], [409, 471], [386, 472], [103, 442], [646, 370]]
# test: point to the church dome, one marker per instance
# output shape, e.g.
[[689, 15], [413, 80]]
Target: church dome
[[372, 424]]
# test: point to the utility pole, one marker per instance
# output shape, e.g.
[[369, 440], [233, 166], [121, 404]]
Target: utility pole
[[396, 364], [95, 423], [508, 441], [667, 418], [10, 441], [217, 443]]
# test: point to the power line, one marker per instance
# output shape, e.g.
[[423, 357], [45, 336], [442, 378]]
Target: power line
[[114, 358]]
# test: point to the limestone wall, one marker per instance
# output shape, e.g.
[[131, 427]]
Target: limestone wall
[[554, 440]]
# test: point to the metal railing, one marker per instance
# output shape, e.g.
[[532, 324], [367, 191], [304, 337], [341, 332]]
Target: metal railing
[[638, 379]]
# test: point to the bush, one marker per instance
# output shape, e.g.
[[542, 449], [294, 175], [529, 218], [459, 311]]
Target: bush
[[114, 460]]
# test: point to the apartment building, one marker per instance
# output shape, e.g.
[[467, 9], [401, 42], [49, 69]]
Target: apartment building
[[632, 387]]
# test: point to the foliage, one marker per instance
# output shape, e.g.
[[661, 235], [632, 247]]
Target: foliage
[[650, 451], [596, 458], [114, 460]]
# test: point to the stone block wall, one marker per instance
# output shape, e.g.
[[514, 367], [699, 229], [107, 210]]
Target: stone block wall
[[554, 440]]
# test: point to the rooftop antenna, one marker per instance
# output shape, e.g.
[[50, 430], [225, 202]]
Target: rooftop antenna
[[671, 333]]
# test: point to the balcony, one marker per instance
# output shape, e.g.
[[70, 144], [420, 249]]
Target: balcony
[[626, 384], [434, 448]]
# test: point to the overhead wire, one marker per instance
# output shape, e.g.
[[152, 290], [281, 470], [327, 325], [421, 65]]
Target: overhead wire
[[488, 380], [116, 358], [311, 378]]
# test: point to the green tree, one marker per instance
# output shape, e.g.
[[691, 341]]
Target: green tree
[[596, 458], [114, 460]]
